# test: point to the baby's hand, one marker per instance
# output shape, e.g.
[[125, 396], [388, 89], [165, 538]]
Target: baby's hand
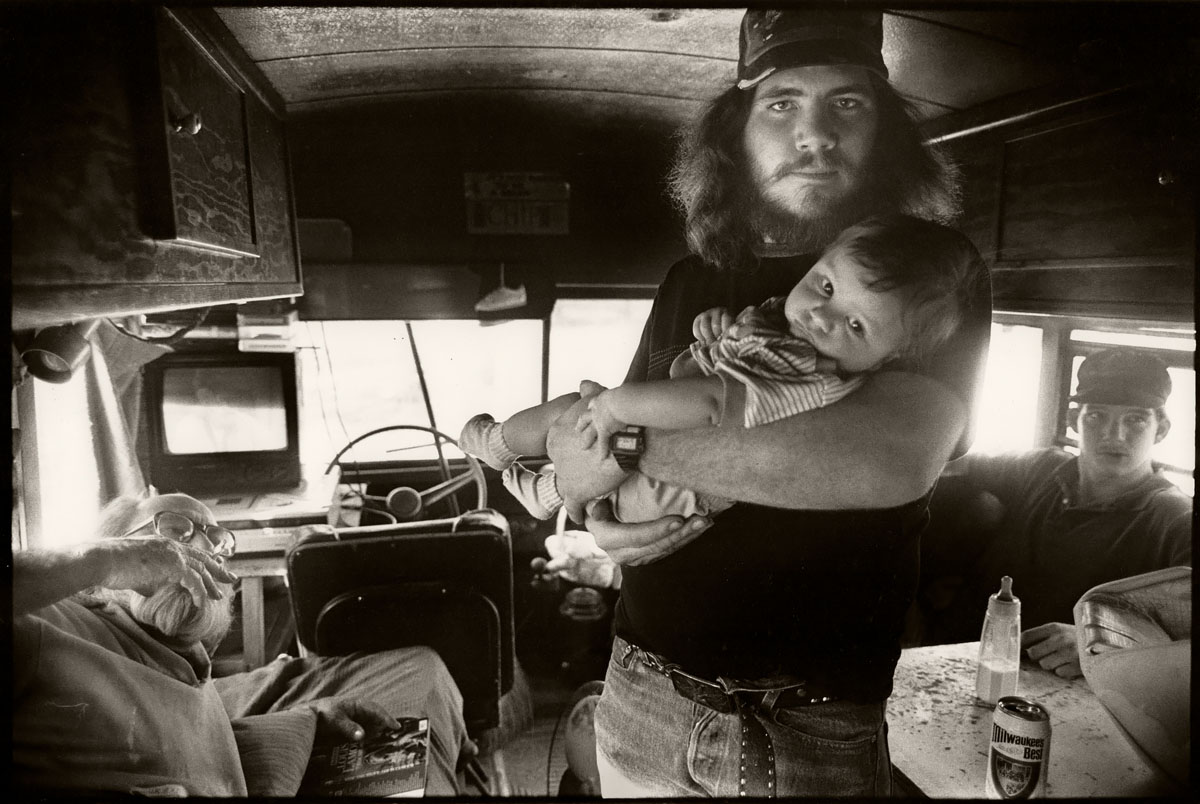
[[709, 325], [603, 419]]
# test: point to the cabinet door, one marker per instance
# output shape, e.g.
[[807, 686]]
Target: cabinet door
[[204, 120], [114, 212], [1093, 189]]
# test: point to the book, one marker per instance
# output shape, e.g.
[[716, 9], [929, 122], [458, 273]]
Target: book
[[391, 764]]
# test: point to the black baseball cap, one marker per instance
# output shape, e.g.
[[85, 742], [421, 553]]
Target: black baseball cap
[[774, 39], [1123, 377]]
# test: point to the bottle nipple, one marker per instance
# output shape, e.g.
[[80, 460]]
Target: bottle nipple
[[1005, 592]]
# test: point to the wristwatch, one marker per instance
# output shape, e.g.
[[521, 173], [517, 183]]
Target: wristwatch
[[627, 446]]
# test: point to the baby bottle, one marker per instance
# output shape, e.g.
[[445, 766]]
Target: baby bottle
[[999, 646]]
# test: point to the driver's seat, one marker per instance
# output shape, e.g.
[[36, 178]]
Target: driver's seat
[[444, 583]]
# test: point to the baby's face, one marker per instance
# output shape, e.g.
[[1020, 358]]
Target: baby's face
[[832, 308]]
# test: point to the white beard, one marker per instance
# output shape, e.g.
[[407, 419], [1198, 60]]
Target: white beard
[[171, 611]]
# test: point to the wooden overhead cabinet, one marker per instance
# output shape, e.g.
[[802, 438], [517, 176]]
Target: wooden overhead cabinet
[[150, 167]]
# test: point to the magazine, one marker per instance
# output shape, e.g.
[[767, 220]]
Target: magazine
[[390, 764]]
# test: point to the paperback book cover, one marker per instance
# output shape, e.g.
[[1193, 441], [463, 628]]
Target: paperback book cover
[[390, 764]]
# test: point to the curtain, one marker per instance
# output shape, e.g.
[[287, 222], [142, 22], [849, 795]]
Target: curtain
[[114, 395]]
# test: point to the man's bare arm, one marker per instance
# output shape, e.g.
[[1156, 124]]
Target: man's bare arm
[[881, 446]]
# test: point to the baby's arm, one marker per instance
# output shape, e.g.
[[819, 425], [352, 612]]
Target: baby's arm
[[667, 404], [685, 366], [525, 431], [706, 328]]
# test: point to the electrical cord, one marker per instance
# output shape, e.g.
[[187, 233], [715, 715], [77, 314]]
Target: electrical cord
[[167, 340]]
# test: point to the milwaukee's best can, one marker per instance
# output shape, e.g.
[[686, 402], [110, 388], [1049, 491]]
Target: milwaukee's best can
[[1019, 754]]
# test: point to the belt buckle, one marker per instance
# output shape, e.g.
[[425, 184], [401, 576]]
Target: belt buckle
[[702, 691]]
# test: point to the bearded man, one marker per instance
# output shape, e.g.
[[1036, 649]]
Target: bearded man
[[113, 690], [757, 660]]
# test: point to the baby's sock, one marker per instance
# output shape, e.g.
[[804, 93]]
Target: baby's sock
[[483, 437], [536, 491]]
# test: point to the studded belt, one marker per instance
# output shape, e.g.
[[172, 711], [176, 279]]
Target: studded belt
[[750, 700]]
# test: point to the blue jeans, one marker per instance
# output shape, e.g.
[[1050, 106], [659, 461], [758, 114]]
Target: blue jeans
[[652, 742]]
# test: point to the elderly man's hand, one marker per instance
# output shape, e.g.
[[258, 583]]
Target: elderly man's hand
[[1053, 646], [583, 468], [642, 542], [350, 718], [146, 564]]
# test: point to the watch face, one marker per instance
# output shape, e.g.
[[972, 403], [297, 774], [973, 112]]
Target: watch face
[[624, 441]]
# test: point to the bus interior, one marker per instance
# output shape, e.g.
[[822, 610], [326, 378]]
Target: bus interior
[[275, 257]]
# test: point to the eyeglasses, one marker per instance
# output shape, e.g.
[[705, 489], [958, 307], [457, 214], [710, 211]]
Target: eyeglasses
[[180, 528]]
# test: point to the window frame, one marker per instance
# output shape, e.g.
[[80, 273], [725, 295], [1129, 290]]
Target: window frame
[[1059, 352]]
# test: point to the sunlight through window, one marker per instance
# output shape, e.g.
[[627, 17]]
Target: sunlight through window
[[594, 339], [1006, 414]]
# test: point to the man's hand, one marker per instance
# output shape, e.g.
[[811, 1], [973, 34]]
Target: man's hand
[[583, 470], [350, 718], [642, 542], [146, 564], [1053, 646], [709, 325]]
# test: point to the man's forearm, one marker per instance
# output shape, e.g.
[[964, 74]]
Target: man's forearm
[[41, 578], [879, 447]]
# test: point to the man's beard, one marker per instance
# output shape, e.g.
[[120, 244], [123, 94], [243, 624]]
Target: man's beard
[[171, 612], [820, 221]]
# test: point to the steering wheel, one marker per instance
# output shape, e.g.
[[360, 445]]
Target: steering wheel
[[405, 502]]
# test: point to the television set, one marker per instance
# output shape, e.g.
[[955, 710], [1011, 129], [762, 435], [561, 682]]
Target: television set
[[222, 422]]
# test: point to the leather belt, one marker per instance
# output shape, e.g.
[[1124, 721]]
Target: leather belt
[[725, 695], [750, 700]]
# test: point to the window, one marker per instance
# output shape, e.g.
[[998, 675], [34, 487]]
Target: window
[[358, 376], [593, 339], [68, 490], [1176, 452], [1006, 413]]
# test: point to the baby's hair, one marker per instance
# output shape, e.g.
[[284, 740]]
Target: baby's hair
[[937, 267]]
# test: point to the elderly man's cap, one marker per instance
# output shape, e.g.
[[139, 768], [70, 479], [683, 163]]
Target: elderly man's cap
[[777, 40], [1123, 377]]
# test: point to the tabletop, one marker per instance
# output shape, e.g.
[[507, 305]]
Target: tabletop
[[939, 733]]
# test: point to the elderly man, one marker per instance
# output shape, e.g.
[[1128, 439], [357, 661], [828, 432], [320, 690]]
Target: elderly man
[[113, 689], [757, 658], [1070, 523]]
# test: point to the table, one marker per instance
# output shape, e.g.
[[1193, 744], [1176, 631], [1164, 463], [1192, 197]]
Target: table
[[264, 523], [252, 570], [938, 732]]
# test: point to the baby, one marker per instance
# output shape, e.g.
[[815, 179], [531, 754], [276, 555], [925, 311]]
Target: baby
[[890, 287]]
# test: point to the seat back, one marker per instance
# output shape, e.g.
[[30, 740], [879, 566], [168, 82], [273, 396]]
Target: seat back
[[444, 583]]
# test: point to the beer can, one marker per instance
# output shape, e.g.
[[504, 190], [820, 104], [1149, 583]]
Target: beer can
[[1019, 754]]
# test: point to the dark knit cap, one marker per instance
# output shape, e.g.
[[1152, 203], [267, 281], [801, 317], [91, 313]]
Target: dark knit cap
[[777, 40], [1123, 377]]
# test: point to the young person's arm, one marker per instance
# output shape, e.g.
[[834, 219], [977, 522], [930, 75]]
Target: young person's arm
[[42, 578], [670, 404]]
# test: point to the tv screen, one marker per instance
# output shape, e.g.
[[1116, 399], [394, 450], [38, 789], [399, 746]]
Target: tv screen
[[223, 409], [223, 422]]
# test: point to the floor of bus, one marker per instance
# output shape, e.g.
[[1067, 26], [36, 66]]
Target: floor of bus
[[531, 761]]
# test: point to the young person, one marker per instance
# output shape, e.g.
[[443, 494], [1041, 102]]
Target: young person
[[889, 287], [1068, 522]]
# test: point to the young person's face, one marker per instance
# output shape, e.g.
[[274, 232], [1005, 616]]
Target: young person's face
[[833, 308], [809, 136], [1115, 441]]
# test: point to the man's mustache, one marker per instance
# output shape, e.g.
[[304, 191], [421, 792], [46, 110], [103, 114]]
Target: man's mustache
[[809, 161]]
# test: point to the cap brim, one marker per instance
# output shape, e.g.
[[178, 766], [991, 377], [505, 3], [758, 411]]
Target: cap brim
[[1130, 398]]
